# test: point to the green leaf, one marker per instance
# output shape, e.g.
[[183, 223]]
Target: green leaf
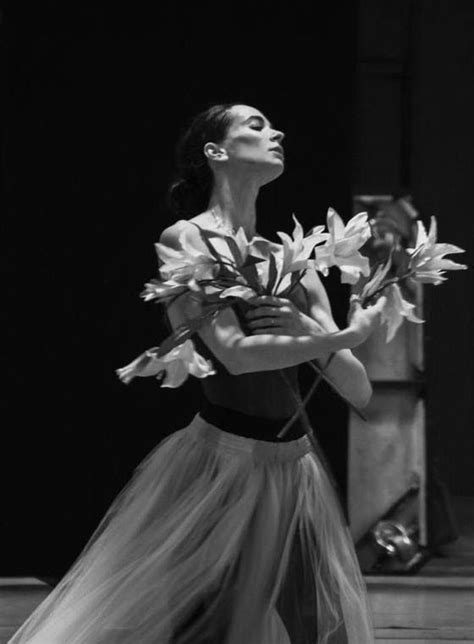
[[272, 273], [296, 278], [251, 275], [225, 273], [235, 250], [206, 236], [252, 259], [212, 299], [177, 337]]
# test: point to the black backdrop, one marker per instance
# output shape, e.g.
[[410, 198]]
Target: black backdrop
[[94, 103]]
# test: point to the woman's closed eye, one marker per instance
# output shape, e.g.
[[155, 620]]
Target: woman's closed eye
[[256, 123]]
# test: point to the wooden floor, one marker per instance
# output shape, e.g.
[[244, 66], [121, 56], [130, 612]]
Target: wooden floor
[[406, 611], [435, 606], [19, 596], [419, 610]]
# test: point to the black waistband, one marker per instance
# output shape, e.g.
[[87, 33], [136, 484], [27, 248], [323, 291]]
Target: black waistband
[[257, 427]]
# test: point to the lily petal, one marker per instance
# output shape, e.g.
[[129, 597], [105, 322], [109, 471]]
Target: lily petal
[[244, 292], [335, 225], [350, 272], [158, 290], [427, 262], [395, 309], [341, 248], [297, 233], [437, 263], [429, 277], [173, 368], [176, 373], [145, 365], [324, 259], [200, 367], [375, 282]]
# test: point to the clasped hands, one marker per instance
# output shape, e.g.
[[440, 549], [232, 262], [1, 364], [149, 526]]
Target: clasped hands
[[278, 316], [274, 315]]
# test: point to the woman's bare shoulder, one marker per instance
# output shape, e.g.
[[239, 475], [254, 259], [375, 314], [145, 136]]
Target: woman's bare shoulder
[[204, 219], [170, 236]]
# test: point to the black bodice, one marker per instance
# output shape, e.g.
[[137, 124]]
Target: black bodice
[[260, 393]]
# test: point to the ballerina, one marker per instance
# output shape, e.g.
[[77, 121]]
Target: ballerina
[[226, 533]]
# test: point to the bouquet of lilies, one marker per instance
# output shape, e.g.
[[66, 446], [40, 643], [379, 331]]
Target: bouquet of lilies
[[230, 270]]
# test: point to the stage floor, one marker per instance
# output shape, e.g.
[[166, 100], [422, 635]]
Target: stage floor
[[434, 606]]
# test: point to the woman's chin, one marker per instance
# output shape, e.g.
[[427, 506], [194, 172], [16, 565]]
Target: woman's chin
[[273, 171]]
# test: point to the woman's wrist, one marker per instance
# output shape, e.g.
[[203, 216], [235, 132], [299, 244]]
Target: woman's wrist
[[327, 343], [351, 338]]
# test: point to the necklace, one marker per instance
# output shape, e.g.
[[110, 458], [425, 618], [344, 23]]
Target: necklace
[[220, 223]]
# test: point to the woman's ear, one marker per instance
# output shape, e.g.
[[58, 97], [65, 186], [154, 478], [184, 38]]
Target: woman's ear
[[214, 152]]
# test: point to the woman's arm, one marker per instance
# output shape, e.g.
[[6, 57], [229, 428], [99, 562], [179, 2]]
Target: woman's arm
[[241, 353], [345, 370]]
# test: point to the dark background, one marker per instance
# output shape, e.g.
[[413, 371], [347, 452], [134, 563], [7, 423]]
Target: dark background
[[94, 102]]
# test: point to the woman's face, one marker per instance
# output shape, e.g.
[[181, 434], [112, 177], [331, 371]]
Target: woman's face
[[253, 143]]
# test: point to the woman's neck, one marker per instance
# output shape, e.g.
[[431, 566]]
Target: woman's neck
[[233, 202]]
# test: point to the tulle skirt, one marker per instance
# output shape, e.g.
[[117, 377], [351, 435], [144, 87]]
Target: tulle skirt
[[217, 538]]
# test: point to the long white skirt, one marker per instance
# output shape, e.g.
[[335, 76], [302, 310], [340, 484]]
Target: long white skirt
[[216, 539]]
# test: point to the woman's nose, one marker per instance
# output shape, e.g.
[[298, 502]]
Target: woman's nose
[[278, 135]]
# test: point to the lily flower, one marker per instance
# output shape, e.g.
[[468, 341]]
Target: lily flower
[[158, 290], [244, 292], [426, 261], [262, 248], [186, 263], [270, 255], [235, 249], [174, 367], [239, 248], [377, 279], [395, 309], [342, 247], [297, 250]]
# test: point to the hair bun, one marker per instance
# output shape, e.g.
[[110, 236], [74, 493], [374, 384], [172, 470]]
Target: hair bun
[[189, 193], [183, 194]]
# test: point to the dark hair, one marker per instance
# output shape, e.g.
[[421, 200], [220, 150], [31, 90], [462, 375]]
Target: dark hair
[[189, 193]]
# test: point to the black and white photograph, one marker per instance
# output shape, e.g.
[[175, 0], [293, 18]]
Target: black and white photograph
[[238, 321]]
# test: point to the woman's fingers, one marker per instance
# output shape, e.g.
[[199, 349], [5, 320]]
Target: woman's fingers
[[268, 300], [264, 322], [354, 305], [379, 305], [262, 311]]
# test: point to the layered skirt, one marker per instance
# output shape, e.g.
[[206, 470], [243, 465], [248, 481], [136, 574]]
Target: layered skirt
[[216, 539]]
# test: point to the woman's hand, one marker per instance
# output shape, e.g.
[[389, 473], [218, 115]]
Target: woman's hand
[[364, 321], [278, 316]]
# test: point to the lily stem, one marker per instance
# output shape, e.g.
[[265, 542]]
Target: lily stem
[[318, 369], [393, 280], [301, 403]]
